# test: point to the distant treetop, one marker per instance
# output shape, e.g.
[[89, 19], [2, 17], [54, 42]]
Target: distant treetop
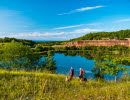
[[25, 42], [122, 34]]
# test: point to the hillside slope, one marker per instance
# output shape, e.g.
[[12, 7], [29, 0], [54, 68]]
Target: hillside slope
[[122, 34], [21, 85]]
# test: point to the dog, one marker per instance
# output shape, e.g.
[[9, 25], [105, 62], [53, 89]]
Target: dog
[[66, 79], [83, 79]]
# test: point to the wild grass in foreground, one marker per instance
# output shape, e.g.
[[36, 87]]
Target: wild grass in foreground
[[21, 85]]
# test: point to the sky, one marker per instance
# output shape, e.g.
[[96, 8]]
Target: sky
[[61, 19]]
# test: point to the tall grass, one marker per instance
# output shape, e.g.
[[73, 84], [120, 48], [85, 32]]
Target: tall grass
[[21, 85]]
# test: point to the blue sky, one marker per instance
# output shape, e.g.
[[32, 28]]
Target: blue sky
[[61, 19]]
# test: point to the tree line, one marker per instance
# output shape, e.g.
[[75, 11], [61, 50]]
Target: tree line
[[15, 55], [119, 48], [122, 34], [24, 41], [51, 43]]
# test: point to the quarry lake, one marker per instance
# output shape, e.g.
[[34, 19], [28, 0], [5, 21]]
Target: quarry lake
[[64, 62]]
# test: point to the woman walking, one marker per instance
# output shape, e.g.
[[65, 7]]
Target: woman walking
[[71, 73], [81, 74]]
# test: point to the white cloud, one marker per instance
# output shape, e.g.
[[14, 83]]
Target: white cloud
[[81, 9], [88, 8], [123, 20], [76, 26], [94, 24], [49, 35], [86, 30], [69, 26], [34, 34]]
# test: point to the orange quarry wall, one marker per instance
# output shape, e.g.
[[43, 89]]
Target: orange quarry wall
[[99, 43]]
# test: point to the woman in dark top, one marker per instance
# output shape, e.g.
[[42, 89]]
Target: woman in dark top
[[81, 74], [71, 73]]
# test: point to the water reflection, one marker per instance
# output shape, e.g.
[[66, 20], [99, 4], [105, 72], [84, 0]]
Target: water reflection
[[97, 64], [103, 65]]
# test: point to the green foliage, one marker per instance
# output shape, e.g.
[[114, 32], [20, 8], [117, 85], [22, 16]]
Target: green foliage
[[117, 60], [73, 48], [50, 63], [113, 67], [25, 42], [15, 50], [66, 48], [23, 85], [17, 55], [122, 34], [107, 64], [51, 43], [99, 69], [119, 49], [40, 48]]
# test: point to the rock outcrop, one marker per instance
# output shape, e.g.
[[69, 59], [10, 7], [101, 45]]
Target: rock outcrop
[[99, 43]]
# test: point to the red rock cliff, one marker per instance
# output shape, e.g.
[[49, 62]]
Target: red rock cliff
[[99, 43]]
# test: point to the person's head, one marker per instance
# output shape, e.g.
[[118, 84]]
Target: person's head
[[71, 67], [80, 68]]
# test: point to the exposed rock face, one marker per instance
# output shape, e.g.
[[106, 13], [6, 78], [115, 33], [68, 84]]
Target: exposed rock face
[[99, 43]]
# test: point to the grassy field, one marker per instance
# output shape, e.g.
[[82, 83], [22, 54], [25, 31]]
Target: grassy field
[[22, 85]]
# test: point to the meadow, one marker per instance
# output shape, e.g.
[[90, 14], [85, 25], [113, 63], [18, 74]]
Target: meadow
[[23, 85]]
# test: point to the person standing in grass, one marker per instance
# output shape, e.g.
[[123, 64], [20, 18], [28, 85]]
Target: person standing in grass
[[71, 73], [81, 74]]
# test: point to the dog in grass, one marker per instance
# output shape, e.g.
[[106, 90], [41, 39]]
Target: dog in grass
[[83, 79], [67, 79]]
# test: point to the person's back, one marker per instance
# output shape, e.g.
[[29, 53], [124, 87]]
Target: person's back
[[81, 74], [71, 73]]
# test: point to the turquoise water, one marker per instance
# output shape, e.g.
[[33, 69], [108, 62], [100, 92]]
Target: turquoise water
[[64, 63]]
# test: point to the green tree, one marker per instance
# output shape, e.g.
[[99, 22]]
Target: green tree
[[39, 48], [17, 55], [114, 66], [50, 63], [73, 48], [114, 69], [98, 69], [66, 48]]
